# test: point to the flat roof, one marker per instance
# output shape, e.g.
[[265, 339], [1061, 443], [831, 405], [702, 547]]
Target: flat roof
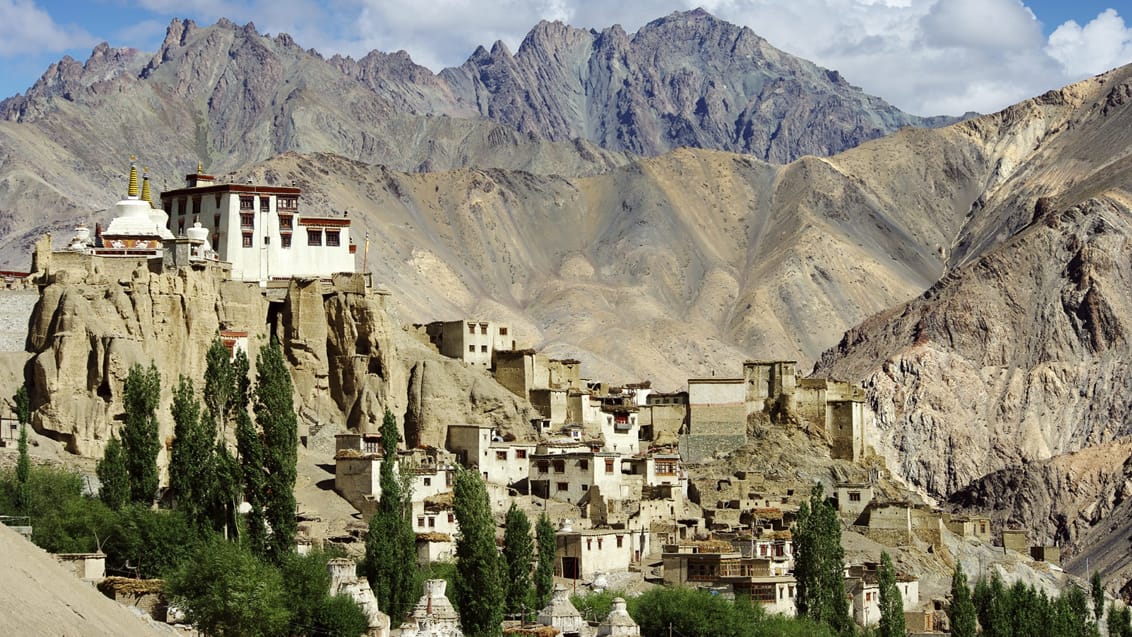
[[221, 188]]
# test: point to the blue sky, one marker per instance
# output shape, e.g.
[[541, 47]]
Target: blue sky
[[925, 56]]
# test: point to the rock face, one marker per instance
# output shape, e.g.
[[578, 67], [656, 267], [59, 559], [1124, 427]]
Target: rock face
[[349, 358], [1019, 352], [688, 79]]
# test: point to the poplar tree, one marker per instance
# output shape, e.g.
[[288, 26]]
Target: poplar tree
[[140, 442], [478, 590], [544, 571], [891, 602], [23, 464], [275, 415], [226, 386], [518, 550], [819, 564], [111, 470], [191, 475], [391, 564], [962, 613], [1096, 588]]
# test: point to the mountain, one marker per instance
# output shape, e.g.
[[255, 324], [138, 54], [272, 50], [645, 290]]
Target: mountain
[[688, 79], [1019, 352]]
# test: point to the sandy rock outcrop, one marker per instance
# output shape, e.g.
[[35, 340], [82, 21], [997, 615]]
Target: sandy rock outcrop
[[350, 360]]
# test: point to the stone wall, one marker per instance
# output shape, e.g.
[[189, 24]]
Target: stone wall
[[699, 448], [15, 310]]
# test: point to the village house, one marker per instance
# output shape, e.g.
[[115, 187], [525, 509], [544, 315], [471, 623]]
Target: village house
[[717, 418], [568, 476], [473, 341], [1016, 540], [479, 447], [620, 430], [852, 498], [86, 566], [261, 230], [861, 583], [772, 387], [900, 523], [720, 564], [975, 526], [357, 471], [434, 522], [663, 416], [583, 554]]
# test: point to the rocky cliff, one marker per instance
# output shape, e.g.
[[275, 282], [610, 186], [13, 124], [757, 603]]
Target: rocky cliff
[[350, 358], [1019, 352], [687, 79]]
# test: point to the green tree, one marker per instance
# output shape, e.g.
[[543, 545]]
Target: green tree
[[518, 550], [226, 590], [479, 591], [962, 608], [819, 564], [1119, 621], [249, 445], [306, 583], [544, 570], [23, 463], [1096, 588], [226, 387], [391, 559], [339, 616], [891, 602], [275, 415], [991, 607], [191, 467], [140, 442], [222, 385], [114, 476]]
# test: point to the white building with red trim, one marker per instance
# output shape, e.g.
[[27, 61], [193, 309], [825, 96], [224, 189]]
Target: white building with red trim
[[261, 230]]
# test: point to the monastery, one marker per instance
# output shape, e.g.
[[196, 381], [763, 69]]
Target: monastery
[[247, 231]]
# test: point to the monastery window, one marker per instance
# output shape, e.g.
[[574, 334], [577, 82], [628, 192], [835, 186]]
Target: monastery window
[[500, 455], [609, 465], [585, 487], [247, 220], [560, 466], [503, 331], [216, 220], [285, 240], [286, 222], [420, 520], [583, 464], [247, 203], [483, 328], [432, 522], [181, 206], [542, 466], [196, 205], [562, 486], [265, 204], [472, 349], [428, 482], [314, 236], [521, 454], [621, 418], [483, 349], [619, 541], [665, 467], [599, 544], [247, 241], [589, 544], [471, 328], [287, 203], [216, 198], [854, 496], [333, 238], [451, 518]]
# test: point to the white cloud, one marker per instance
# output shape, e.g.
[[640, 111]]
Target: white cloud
[[26, 29], [1098, 46]]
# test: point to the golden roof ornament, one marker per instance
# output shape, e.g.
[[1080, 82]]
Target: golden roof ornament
[[145, 193], [200, 167], [132, 190]]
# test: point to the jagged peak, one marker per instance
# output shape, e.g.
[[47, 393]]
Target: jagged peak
[[499, 49]]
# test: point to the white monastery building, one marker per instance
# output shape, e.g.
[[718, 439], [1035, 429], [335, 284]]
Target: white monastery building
[[261, 230]]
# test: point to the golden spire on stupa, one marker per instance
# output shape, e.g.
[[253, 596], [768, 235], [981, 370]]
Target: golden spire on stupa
[[200, 168], [132, 190], [145, 194]]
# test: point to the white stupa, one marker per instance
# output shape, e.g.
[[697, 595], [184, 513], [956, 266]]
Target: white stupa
[[137, 225]]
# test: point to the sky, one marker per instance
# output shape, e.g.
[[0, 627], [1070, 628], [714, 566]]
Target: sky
[[927, 57]]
